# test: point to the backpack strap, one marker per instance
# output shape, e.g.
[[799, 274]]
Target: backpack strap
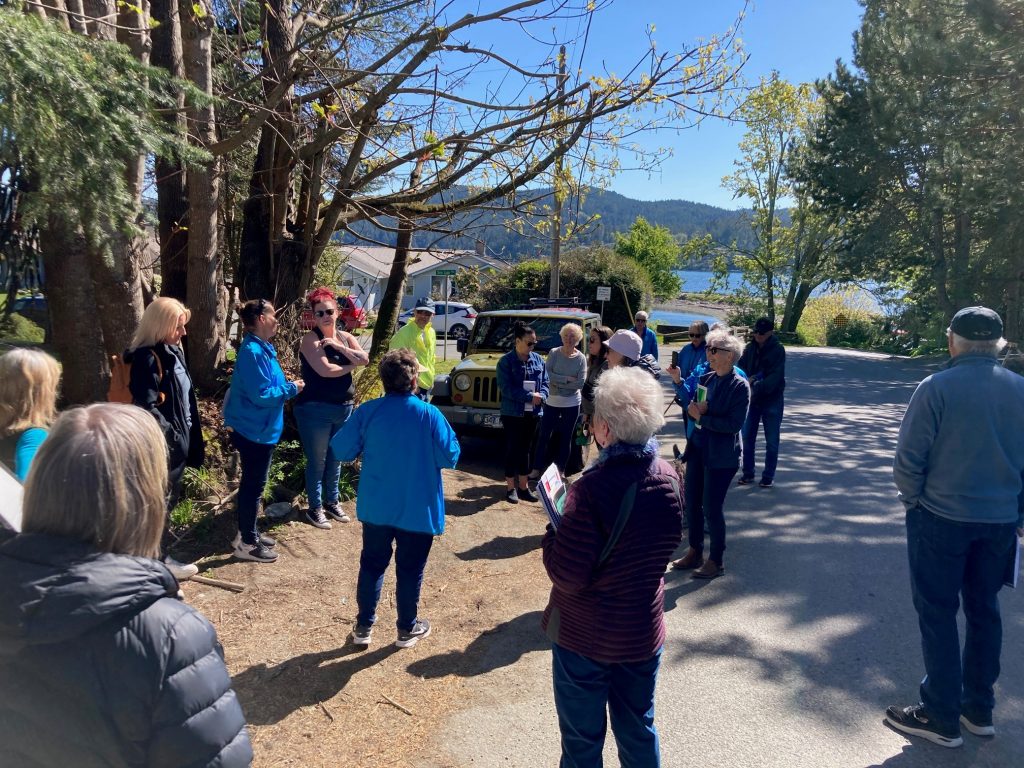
[[625, 509]]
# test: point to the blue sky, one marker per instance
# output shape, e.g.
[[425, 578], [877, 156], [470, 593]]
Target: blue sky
[[801, 39]]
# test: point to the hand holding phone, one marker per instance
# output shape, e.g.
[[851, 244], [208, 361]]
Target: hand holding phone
[[675, 358]]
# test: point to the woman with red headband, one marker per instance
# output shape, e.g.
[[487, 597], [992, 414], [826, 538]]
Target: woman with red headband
[[328, 357]]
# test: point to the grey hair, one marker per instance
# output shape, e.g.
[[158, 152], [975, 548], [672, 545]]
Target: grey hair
[[724, 340], [630, 402], [571, 329], [964, 346], [641, 315]]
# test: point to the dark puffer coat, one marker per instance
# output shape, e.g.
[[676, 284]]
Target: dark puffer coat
[[101, 665]]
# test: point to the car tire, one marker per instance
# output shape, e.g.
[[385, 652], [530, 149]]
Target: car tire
[[458, 331]]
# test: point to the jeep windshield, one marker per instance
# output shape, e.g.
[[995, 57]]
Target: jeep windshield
[[496, 333]]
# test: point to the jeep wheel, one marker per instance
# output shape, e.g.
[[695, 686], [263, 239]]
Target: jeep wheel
[[458, 331]]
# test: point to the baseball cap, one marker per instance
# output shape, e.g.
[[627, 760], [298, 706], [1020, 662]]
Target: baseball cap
[[626, 343], [425, 305], [977, 324], [763, 325]]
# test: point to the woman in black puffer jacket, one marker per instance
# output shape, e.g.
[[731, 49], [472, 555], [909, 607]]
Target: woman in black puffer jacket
[[101, 663]]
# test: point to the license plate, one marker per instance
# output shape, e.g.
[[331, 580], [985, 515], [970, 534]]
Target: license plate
[[492, 420]]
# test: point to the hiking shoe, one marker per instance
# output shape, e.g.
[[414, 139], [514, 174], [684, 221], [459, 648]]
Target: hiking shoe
[[766, 484], [745, 481], [676, 452], [180, 571], [419, 630], [266, 541], [914, 720], [978, 725], [255, 552], [317, 519], [511, 496], [361, 634], [527, 495], [335, 511]]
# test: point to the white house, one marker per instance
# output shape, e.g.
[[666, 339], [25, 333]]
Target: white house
[[366, 271]]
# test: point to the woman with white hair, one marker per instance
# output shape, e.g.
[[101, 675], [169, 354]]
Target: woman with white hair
[[160, 383], [567, 371], [102, 663], [28, 403], [712, 453], [622, 520]]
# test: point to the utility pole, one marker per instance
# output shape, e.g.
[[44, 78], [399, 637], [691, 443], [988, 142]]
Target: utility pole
[[556, 244]]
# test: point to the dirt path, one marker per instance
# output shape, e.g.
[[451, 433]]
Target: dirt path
[[310, 696]]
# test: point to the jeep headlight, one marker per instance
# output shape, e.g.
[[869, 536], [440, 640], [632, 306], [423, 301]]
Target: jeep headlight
[[462, 382]]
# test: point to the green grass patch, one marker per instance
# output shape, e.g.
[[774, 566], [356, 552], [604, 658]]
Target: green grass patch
[[20, 329]]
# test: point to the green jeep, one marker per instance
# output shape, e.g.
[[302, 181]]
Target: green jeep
[[468, 396]]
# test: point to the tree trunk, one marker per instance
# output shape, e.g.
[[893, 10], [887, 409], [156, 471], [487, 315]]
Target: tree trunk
[[77, 338], [207, 344], [171, 189], [796, 311]]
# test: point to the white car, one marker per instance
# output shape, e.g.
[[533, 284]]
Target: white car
[[460, 319]]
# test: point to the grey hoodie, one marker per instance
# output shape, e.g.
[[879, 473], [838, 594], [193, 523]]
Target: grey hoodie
[[101, 664]]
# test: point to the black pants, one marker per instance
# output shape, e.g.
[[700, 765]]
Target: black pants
[[519, 432], [705, 495]]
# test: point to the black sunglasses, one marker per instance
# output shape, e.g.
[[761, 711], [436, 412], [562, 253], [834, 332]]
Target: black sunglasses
[[531, 343], [696, 335], [324, 313], [714, 350]]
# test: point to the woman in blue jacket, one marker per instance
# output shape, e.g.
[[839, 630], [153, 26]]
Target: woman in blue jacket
[[254, 413], [713, 453], [399, 504], [521, 404]]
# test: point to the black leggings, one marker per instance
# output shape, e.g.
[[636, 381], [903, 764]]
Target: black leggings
[[519, 432]]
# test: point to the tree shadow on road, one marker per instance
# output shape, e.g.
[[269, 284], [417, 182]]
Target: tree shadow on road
[[499, 647]]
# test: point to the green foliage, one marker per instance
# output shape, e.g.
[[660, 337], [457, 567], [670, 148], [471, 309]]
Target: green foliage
[[17, 328], [75, 111], [287, 469], [842, 318], [467, 283], [654, 249], [328, 269]]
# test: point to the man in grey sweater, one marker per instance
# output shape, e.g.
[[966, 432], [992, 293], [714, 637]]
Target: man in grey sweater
[[960, 472]]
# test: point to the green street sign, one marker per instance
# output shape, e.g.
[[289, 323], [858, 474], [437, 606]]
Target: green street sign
[[445, 271]]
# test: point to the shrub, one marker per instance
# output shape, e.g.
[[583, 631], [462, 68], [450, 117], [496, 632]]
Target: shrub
[[846, 315], [18, 328]]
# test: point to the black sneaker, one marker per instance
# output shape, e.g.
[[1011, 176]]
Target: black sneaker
[[255, 552], [978, 725], [745, 481], [914, 720], [361, 634], [316, 518], [766, 484], [266, 541], [419, 630], [335, 511], [527, 495], [511, 496]]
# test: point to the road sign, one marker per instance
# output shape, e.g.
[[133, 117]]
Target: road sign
[[604, 293], [448, 272]]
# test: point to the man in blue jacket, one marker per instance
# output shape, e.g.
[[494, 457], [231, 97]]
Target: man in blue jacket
[[400, 498], [648, 338], [959, 470]]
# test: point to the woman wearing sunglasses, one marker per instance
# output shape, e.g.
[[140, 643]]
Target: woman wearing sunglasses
[[328, 357], [713, 452], [523, 384]]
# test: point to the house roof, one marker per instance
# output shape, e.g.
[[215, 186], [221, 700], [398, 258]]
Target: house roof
[[376, 261]]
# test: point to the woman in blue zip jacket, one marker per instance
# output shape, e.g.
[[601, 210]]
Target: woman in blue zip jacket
[[520, 408], [254, 412]]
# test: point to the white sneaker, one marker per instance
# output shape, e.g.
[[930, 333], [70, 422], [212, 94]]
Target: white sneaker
[[181, 571]]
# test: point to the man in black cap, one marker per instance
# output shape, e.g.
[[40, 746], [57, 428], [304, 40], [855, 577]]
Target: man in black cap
[[420, 337], [959, 470], [764, 361]]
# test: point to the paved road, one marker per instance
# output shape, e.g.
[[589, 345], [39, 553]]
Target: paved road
[[790, 659]]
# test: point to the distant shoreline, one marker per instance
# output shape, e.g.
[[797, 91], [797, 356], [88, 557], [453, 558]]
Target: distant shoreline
[[695, 306]]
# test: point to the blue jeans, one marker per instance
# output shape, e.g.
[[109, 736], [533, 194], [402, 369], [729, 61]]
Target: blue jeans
[[705, 498], [255, 458], [560, 422], [771, 415], [318, 423], [584, 688], [411, 550], [948, 559]]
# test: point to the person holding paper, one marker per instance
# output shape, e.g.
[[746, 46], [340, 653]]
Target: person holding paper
[[959, 469], [523, 384], [712, 453], [622, 520]]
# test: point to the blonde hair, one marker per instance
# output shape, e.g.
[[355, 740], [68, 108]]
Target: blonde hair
[[571, 329], [101, 477], [630, 402], [28, 390], [159, 321]]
